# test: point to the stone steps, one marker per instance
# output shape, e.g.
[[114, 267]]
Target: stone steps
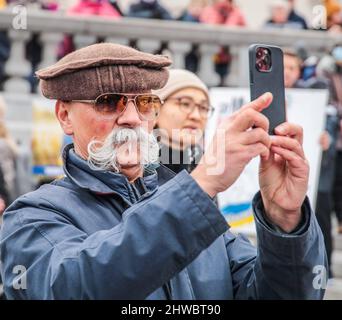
[[337, 264], [334, 290], [338, 242]]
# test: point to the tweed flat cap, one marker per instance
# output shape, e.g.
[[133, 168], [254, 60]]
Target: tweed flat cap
[[101, 68]]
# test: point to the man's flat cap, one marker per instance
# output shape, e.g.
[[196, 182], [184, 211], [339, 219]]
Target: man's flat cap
[[102, 68]]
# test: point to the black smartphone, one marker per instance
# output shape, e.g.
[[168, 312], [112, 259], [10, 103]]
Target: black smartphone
[[266, 74]]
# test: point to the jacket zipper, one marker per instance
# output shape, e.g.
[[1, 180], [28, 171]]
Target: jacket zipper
[[168, 291]]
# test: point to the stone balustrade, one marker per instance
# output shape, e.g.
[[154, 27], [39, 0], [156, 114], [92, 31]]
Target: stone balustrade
[[147, 35]]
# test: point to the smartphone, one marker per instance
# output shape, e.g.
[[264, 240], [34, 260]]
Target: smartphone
[[266, 74]]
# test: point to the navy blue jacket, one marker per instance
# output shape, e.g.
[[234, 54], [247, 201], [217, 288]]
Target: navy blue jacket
[[93, 235]]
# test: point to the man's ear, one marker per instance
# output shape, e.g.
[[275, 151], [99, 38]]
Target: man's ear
[[62, 111]]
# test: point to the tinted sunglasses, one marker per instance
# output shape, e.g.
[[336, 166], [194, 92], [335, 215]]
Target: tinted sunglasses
[[109, 105]]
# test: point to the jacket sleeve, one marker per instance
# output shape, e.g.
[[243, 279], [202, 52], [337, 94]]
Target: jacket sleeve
[[156, 239], [284, 266]]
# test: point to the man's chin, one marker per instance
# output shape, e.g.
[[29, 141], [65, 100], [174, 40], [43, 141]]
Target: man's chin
[[132, 172]]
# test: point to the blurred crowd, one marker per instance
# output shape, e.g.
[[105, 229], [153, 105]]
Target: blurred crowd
[[282, 14], [302, 70]]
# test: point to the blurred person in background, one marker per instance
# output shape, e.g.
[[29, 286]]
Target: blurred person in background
[[8, 152], [193, 11], [116, 6], [334, 15], [280, 13], [324, 201], [182, 120], [309, 70], [223, 60], [51, 5], [5, 47], [292, 68], [331, 67], [3, 194], [94, 8], [148, 9], [103, 8], [223, 12], [302, 74], [294, 16], [40, 4]]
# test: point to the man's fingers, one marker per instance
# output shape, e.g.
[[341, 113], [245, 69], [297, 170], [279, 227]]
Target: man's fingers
[[249, 118], [295, 160], [257, 149], [291, 130], [256, 135], [248, 112], [289, 144], [260, 103]]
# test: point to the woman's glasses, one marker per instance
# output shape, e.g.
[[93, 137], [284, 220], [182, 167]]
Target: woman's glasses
[[187, 105]]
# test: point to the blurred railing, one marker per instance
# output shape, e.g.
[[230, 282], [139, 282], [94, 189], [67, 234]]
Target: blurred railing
[[149, 35]]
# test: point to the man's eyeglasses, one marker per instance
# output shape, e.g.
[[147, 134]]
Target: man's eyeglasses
[[187, 105], [109, 105]]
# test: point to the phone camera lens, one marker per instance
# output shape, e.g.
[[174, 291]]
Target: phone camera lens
[[260, 65], [267, 60], [259, 53]]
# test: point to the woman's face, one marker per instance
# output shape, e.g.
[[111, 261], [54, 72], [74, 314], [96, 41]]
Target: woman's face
[[180, 122]]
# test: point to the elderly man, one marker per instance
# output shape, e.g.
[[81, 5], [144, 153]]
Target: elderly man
[[118, 226]]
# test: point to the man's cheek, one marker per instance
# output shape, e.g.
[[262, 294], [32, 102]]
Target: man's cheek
[[102, 130]]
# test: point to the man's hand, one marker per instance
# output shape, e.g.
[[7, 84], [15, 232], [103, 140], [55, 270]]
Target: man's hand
[[238, 139], [283, 177]]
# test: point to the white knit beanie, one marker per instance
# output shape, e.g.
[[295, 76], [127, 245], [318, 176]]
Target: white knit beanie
[[181, 79]]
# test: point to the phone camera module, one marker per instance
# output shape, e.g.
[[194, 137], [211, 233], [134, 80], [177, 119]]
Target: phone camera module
[[263, 59]]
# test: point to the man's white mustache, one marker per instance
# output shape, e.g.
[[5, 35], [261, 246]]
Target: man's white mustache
[[124, 135], [104, 155]]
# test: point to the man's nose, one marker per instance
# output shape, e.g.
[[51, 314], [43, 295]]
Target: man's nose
[[130, 117]]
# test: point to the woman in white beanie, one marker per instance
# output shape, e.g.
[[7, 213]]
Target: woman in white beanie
[[182, 120]]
